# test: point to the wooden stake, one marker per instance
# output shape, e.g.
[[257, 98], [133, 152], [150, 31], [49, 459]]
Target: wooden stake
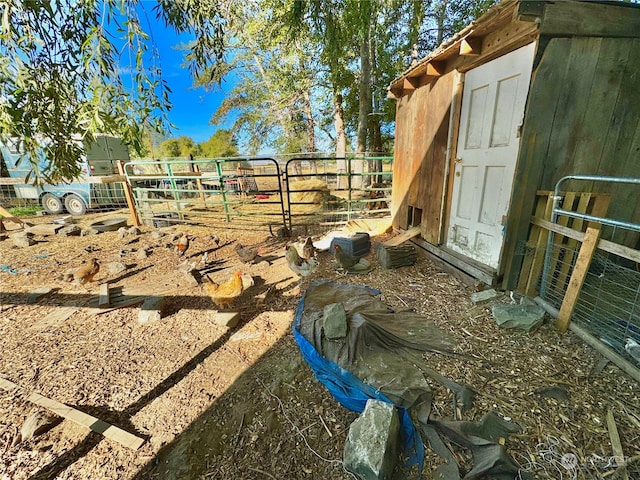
[[129, 196], [588, 248], [103, 301], [616, 445]]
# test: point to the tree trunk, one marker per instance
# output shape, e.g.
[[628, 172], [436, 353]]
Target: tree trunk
[[365, 102], [310, 125], [341, 140]]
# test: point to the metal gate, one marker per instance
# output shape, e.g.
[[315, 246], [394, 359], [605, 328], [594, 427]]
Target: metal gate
[[255, 191], [243, 192], [608, 305], [326, 192]]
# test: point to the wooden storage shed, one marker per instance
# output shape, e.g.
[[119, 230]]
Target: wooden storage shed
[[530, 92]]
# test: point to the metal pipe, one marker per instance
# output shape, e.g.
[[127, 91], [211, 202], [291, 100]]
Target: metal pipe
[[556, 211], [624, 365]]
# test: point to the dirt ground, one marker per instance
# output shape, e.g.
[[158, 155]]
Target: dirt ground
[[219, 403]]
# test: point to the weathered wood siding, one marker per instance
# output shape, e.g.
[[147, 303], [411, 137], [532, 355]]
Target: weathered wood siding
[[422, 126], [582, 118]]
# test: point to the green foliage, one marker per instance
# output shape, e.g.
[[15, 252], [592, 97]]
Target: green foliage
[[220, 144], [61, 72], [26, 211], [178, 147]]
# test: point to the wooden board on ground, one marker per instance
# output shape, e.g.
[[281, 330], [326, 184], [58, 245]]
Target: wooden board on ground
[[65, 411], [372, 226], [403, 237], [45, 229], [59, 315], [103, 300], [227, 319], [120, 297], [5, 215]]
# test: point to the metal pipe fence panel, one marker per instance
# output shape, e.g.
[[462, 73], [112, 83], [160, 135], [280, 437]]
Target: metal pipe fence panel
[[242, 192], [327, 192], [608, 305]]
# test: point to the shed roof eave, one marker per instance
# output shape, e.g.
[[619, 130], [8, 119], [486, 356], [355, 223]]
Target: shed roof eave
[[446, 48]]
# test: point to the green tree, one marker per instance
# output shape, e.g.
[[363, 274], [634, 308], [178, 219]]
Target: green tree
[[61, 66], [182, 146], [221, 144]]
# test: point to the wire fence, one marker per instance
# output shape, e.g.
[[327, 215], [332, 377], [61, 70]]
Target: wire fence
[[609, 303], [248, 192], [329, 192]]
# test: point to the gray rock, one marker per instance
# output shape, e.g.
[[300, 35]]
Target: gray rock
[[371, 449], [142, 254], [483, 296], [116, 267], [151, 310], [156, 236], [335, 321], [526, 317], [23, 239], [134, 231], [70, 231], [123, 232], [88, 231]]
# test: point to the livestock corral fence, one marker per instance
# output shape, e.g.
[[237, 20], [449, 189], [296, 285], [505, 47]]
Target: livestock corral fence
[[591, 281], [270, 192]]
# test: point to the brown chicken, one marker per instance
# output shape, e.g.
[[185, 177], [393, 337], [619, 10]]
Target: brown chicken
[[308, 251], [182, 245], [247, 254], [223, 294], [86, 272]]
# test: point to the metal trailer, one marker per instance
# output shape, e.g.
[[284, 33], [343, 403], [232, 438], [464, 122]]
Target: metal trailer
[[93, 189]]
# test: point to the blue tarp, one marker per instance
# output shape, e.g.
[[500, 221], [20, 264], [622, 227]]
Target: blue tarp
[[349, 390]]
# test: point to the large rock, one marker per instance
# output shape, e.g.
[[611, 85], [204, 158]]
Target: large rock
[[116, 267], [525, 316], [23, 239], [151, 310], [70, 231], [371, 449]]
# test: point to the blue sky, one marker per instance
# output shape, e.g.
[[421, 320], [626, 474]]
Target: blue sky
[[192, 108]]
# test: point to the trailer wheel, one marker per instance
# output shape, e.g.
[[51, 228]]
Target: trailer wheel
[[75, 205], [52, 204]]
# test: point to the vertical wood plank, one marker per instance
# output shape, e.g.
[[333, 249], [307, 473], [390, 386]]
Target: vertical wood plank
[[103, 301], [534, 233], [555, 262], [129, 196], [588, 248], [538, 256], [566, 135], [577, 224], [540, 116]]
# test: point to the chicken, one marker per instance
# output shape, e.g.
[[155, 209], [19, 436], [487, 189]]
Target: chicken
[[86, 272], [182, 245], [299, 265], [223, 294], [247, 254], [348, 262], [633, 348], [308, 251]]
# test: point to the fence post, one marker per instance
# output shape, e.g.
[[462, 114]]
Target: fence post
[[129, 196]]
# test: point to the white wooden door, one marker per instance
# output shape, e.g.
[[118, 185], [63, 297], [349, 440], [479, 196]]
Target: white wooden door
[[493, 102]]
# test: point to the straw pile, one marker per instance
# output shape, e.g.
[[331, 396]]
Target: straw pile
[[319, 191]]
